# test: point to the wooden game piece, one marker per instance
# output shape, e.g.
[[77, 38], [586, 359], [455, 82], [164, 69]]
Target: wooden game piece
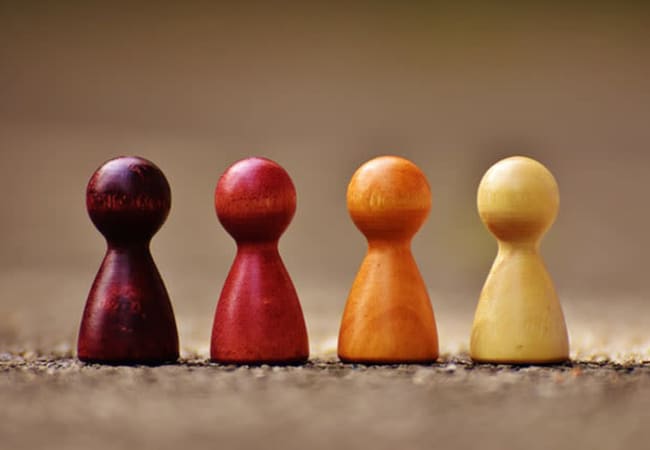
[[519, 319], [128, 317], [388, 317], [258, 317]]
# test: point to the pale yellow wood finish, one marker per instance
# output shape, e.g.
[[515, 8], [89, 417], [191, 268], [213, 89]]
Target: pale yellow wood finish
[[519, 318], [388, 317]]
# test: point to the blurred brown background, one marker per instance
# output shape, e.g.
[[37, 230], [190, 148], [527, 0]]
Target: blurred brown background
[[321, 88]]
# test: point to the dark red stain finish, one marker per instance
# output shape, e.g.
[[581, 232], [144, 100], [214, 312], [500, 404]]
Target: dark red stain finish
[[258, 317], [128, 317]]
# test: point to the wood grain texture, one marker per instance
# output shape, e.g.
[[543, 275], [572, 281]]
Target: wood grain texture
[[128, 317], [388, 316], [519, 318], [258, 317]]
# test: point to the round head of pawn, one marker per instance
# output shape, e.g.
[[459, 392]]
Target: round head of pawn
[[255, 200], [128, 199], [389, 198], [518, 199]]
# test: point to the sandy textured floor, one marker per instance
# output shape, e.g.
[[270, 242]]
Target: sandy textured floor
[[49, 400], [61, 403]]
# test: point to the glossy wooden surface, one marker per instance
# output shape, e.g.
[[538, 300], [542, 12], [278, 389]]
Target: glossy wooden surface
[[388, 316], [258, 317], [128, 317], [519, 318]]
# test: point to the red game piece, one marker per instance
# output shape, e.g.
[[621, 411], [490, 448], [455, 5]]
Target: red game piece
[[128, 317], [258, 318]]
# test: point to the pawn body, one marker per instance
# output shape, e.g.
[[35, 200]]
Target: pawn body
[[258, 317], [518, 319], [128, 317], [388, 316]]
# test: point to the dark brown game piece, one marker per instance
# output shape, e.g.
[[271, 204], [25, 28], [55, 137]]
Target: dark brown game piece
[[258, 317], [128, 317]]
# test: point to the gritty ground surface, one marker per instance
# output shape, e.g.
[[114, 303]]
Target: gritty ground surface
[[58, 402], [50, 400]]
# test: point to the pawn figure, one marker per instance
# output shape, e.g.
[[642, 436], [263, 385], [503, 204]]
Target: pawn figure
[[128, 317], [388, 317], [519, 319], [258, 317]]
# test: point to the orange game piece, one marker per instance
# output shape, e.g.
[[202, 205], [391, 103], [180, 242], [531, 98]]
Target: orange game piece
[[388, 317]]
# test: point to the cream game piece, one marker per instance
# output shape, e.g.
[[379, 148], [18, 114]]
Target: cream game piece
[[519, 319]]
